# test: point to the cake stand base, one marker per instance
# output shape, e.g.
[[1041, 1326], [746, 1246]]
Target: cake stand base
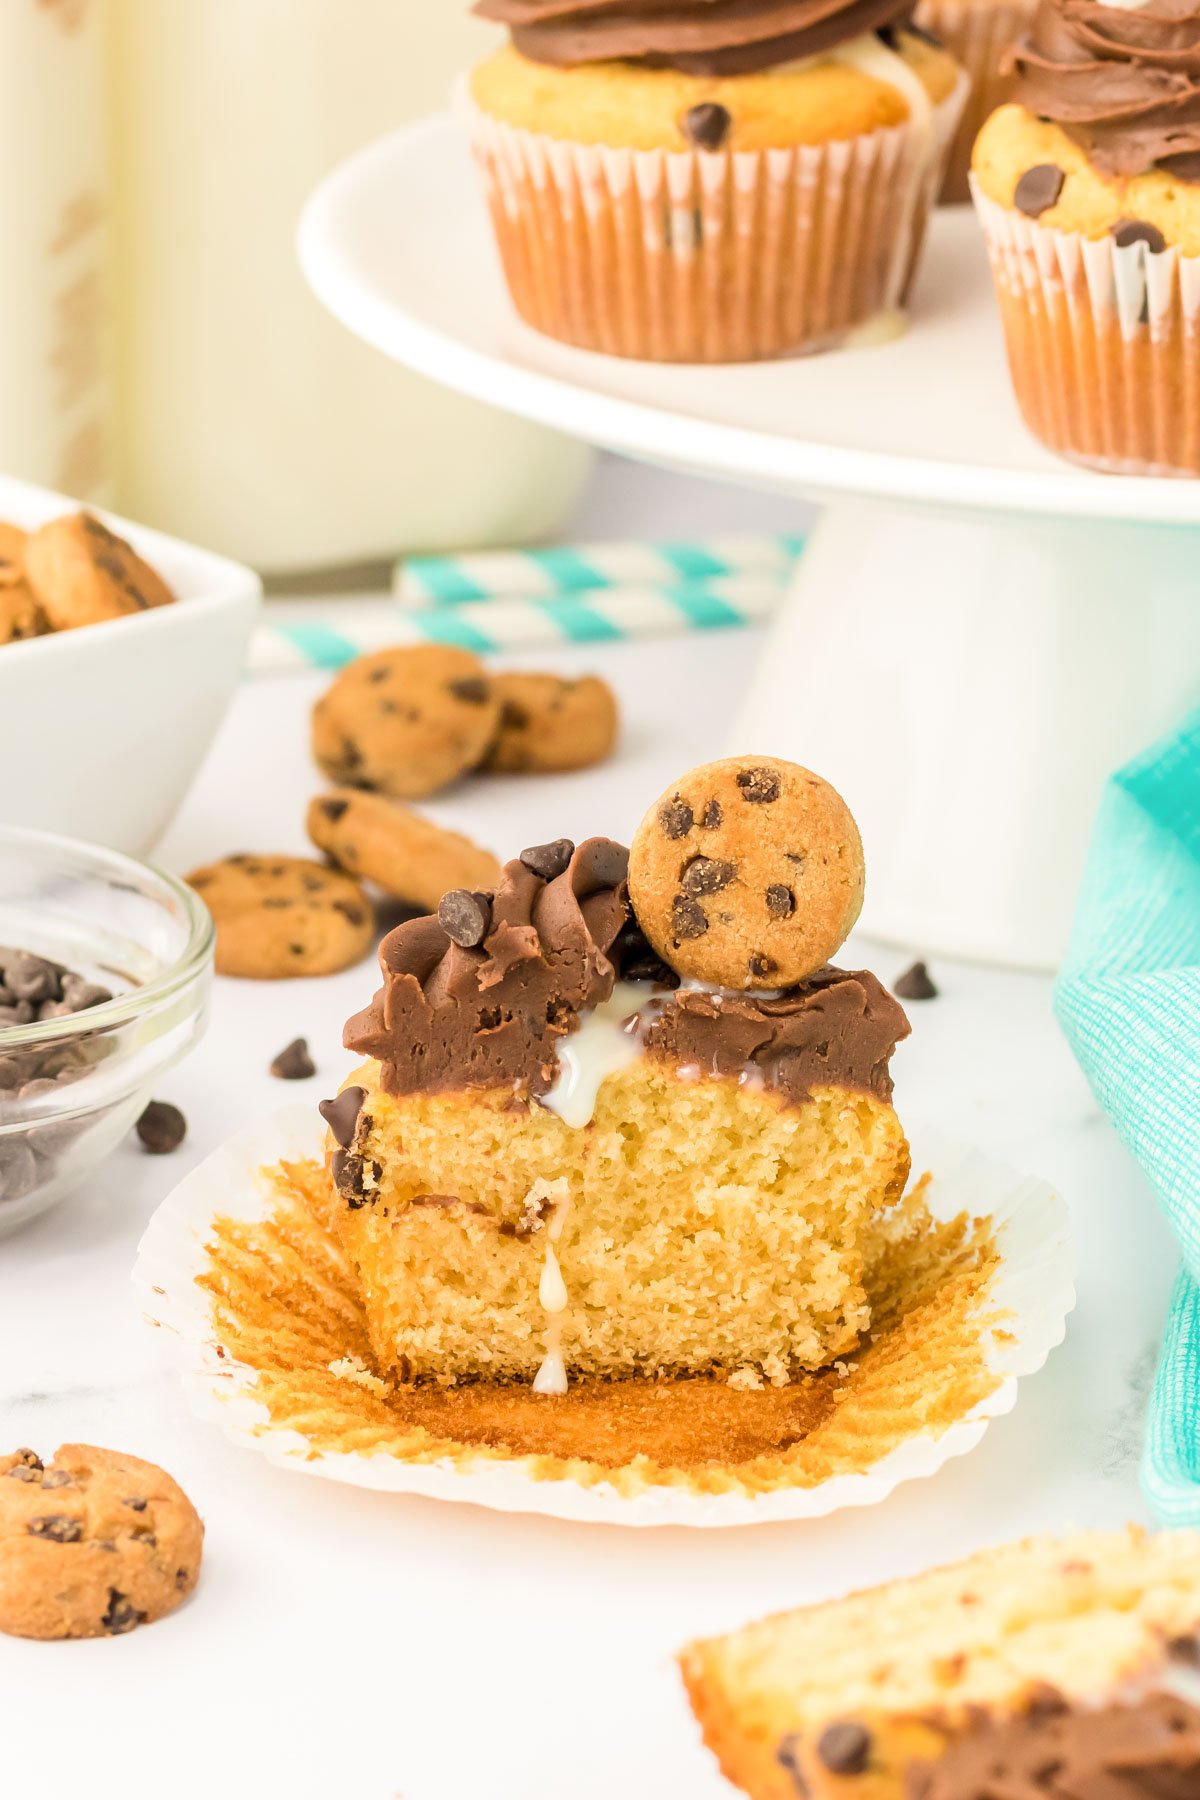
[[968, 683]]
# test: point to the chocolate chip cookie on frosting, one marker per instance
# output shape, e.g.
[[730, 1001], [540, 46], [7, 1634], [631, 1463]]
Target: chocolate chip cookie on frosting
[[683, 181], [560, 1159], [1088, 187]]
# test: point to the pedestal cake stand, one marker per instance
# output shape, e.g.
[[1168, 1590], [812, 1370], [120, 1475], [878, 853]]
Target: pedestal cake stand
[[978, 633]]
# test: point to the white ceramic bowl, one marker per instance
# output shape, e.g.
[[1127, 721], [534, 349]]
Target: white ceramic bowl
[[103, 727]]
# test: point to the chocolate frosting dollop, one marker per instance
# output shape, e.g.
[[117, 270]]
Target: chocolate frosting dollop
[[699, 37], [1124, 83]]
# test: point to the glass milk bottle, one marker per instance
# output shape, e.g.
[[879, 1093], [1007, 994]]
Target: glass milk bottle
[[251, 421], [55, 371]]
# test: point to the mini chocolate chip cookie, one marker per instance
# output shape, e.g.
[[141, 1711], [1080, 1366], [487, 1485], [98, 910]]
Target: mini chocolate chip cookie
[[406, 721], [92, 1543], [409, 857], [747, 873], [20, 614], [82, 573], [12, 546], [283, 915], [548, 723]]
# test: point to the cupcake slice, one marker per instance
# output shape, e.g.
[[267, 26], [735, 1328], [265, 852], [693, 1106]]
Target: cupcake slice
[[701, 183], [559, 1161], [1046, 1670], [1088, 188], [980, 35]]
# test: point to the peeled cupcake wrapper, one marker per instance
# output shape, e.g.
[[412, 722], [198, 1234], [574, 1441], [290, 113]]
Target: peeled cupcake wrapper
[[708, 256], [1103, 343], [977, 33]]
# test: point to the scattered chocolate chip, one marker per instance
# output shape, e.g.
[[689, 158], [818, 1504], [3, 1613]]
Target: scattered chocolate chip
[[471, 688], [676, 819], [56, 1526], [915, 984], [788, 1757], [758, 786], [1137, 231], [845, 1748], [121, 1616], [760, 965], [706, 125], [341, 1114], [294, 1062], [333, 809], [1038, 189], [704, 875], [688, 917], [161, 1128], [781, 902], [548, 861], [712, 815], [465, 917]]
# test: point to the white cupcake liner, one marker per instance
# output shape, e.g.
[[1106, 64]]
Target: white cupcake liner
[[690, 256], [977, 33], [1033, 1288], [1103, 343]]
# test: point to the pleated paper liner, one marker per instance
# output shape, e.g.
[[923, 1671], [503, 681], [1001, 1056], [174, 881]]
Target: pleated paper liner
[[970, 1280], [683, 256], [977, 33], [1103, 343]]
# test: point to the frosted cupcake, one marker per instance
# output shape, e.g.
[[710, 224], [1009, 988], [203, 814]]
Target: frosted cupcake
[[684, 181], [979, 34], [1088, 187]]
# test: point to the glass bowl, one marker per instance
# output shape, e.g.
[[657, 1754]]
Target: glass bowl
[[70, 1087]]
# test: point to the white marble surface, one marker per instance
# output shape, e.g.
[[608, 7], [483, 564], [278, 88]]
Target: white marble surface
[[354, 1644]]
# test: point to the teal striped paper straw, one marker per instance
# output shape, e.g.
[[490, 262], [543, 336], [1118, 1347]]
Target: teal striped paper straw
[[336, 637], [421, 581]]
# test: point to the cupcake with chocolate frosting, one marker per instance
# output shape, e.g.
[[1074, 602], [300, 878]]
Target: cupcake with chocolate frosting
[[980, 35], [681, 180], [1088, 186]]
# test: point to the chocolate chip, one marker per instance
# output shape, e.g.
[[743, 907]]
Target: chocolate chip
[[30, 977], [136, 1504], [915, 984], [759, 786], [1038, 189], [19, 1169], [349, 1177], [845, 1748], [341, 1114], [56, 1478], [121, 1615], [781, 902], [1044, 1701], [1185, 1649], [28, 1466], [712, 815], [333, 809], [351, 911], [57, 1527], [760, 965], [466, 918], [676, 819], [1185, 166], [294, 1062], [706, 125], [548, 861], [471, 688], [161, 1128], [788, 1756], [704, 875], [1137, 231], [688, 917], [79, 994]]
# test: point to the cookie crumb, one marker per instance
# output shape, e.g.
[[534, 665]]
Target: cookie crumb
[[294, 1062], [161, 1128]]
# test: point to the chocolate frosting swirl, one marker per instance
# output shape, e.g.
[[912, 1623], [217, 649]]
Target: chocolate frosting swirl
[[1125, 84], [449, 1018], [699, 37]]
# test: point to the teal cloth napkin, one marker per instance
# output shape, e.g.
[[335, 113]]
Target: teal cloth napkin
[[1128, 998]]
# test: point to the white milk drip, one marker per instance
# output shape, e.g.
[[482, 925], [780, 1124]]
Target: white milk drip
[[551, 1378], [605, 1043]]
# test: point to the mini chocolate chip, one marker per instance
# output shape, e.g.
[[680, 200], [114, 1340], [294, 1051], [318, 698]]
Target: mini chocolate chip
[[688, 917], [712, 815], [1038, 189], [28, 1464], [161, 1128], [466, 918], [1044, 1701], [23, 1013], [704, 875], [788, 1757], [548, 861], [781, 902], [845, 1748], [341, 1114], [676, 819], [294, 1062], [31, 977], [513, 717], [23, 1472], [915, 984], [351, 911], [759, 965], [121, 1615], [333, 809], [471, 688], [759, 786], [1124, 233], [706, 125], [1185, 1649], [349, 1177], [181, 1578], [136, 1504], [56, 1478], [79, 994], [56, 1526]]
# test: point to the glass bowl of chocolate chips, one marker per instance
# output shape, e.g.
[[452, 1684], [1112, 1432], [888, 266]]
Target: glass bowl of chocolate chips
[[105, 971]]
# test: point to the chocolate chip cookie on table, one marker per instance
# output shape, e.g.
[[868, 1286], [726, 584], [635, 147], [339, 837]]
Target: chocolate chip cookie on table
[[279, 916], [550, 724], [740, 1136], [1088, 188], [1045, 1670], [377, 839], [92, 1544]]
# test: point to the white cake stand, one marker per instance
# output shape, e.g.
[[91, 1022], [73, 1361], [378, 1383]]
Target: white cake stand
[[978, 633]]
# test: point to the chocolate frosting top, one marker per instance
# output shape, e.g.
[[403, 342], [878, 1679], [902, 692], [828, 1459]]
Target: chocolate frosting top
[[700, 37], [1124, 83], [450, 1017]]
